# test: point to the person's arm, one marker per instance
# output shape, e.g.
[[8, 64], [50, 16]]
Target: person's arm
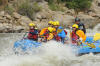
[[84, 28]]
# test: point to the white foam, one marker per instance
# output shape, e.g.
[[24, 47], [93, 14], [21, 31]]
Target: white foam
[[50, 54]]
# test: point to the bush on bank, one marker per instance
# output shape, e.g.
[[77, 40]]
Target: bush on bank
[[28, 9], [71, 4]]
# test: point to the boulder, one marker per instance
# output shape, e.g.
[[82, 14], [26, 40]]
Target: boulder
[[92, 14], [63, 19], [8, 16], [95, 6], [16, 15], [24, 21], [70, 12], [89, 21], [2, 13], [1, 18]]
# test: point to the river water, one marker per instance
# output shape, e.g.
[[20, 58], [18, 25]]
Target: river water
[[50, 54]]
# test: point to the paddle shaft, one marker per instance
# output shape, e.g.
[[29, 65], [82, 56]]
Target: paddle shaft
[[25, 34]]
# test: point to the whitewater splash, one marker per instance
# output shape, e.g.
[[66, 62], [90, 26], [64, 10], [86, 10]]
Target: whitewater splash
[[50, 54]]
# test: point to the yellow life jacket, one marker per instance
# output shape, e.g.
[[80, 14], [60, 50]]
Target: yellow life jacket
[[81, 34], [96, 37], [50, 36], [43, 31]]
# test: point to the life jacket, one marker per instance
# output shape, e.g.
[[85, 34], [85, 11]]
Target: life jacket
[[61, 32], [96, 37], [81, 34], [33, 34], [65, 32], [56, 37], [74, 37], [39, 31], [50, 36], [43, 31]]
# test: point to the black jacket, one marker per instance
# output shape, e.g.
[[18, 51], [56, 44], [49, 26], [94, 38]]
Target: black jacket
[[82, 27]]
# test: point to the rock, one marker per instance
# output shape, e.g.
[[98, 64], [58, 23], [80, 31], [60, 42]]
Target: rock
[[8, 16], [1, 26], [42, 25], [17, 27], [83, 16], [98, 15], [91, 14], [1, 18], [70, 12], [90, 18], [24, 21], [97, 27], [16, 15], [38, 16], [1, 21], [2, 13], [4, 27], [89, 21], [95, 6], [63, 19]]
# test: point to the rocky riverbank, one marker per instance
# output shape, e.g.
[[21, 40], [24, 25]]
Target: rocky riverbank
[[18, 23]]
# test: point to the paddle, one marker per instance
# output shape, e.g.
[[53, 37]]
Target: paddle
[[24, 35], [90, 45]]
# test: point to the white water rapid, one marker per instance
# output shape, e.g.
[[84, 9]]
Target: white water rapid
[[50, 54]]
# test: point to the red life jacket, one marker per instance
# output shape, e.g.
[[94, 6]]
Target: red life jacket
[[46, 34], [74, 37], [56, 37], [65, 32], [32, 36]]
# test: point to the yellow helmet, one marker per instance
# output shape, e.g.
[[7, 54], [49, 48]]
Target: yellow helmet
[[50, 29], [57, 22], [50, 22], [75, 25], [54, 23], [31, 24]]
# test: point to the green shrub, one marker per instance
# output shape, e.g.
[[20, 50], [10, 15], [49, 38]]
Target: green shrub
[[55, 5], [78, 4], [0, 2], [72, 4], [9, 9], [28, 9]]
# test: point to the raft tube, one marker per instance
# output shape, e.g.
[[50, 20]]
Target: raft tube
[[25, 45], [85, 49], [91, 40]]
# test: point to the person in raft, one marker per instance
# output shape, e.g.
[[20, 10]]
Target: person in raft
[[80, 24], [33, 32], [77, 35]]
